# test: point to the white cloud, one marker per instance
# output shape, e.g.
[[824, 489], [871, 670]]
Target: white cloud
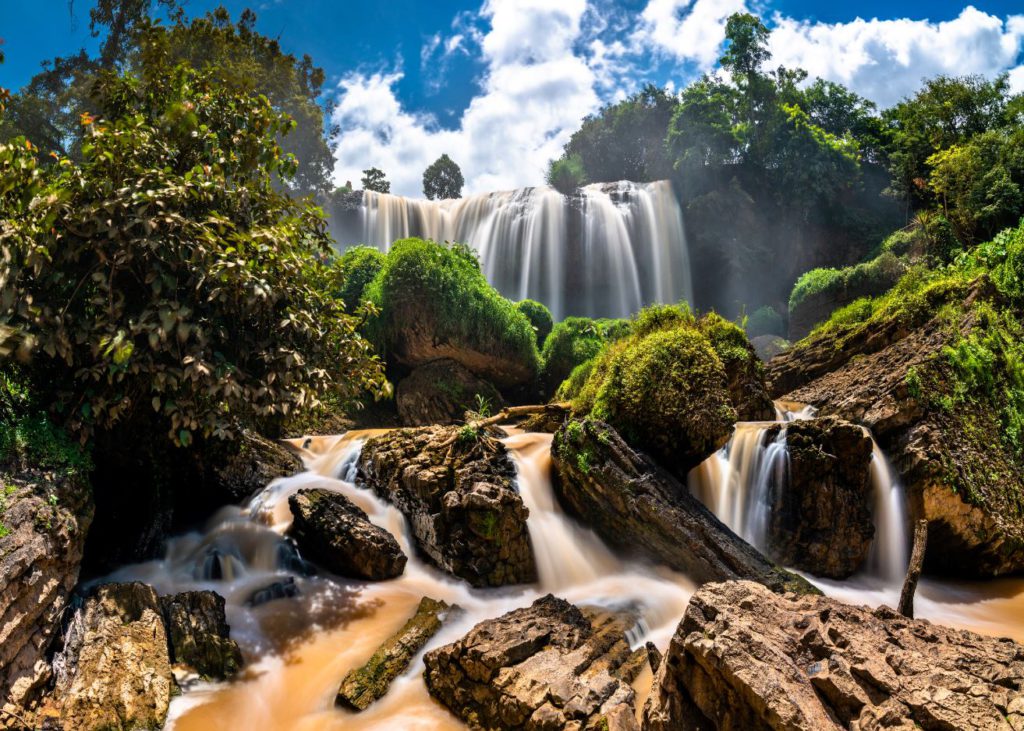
[[886, 60], [533, 94], [1017, 80], [690, 30]]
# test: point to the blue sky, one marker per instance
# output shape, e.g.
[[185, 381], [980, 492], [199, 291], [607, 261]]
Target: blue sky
[[500, 84]]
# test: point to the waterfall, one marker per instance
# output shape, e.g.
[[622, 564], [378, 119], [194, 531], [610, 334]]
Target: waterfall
[[605, 251], [889, 551]]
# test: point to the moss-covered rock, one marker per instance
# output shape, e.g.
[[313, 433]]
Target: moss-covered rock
[[540, 318], [198, 634], [434, 302], [572, 342], [744, 370]]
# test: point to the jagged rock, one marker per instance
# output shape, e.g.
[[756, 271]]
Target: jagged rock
[[362, 686], [746, 658], [114, 671], [638, 507], [821, 519], [456, 488], [251, 464], [337, 534], [442, 392], [47, 516], [546, 666], [283, 589], [199, 635], [958, 473]]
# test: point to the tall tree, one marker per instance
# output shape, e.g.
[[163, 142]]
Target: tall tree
[[442, 179], [374, 179]]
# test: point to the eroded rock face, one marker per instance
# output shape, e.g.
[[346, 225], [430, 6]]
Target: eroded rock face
[[546, 666], [459, 495], [641, 509], [254, 461], [821, 520], [48, 518], [115, 670], [199, 636], [332, 531], [746, 658], [441, 393]]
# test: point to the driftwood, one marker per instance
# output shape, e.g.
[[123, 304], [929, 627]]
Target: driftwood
[[906, 607], [507, 413]]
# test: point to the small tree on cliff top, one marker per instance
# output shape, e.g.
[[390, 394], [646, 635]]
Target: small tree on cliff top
[[373, 179], [443, 179]]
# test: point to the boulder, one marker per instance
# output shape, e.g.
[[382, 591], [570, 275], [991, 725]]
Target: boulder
[[284, 589], [44, 518], [746, 658], [252, 462], [199, 636], [363, 685], [821, 519], [958, 472], [457, 489], [546, 666], [441, 392], [639, 508], [332, 531], [114, 671]]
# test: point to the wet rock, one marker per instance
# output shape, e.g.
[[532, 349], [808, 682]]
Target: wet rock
[[746, 658], [821, 519], [199, 635], [442, 392], [546, 666], [47, 516], [335, 533], [457, 490], [114, 671], [362, 686], [284, 589], [547, 421], [251, 464], [639, 508]]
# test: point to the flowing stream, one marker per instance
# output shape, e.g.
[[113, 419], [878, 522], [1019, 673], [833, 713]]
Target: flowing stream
[[298, 649], [606, 251]]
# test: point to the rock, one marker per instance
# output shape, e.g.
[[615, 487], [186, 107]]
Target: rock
[[441, 392], [457, 490], [958, 473], [46, 517], [639, 508], [362, 686], [338, 535], [769, 346], [199, 635], [546, 666], [821, 521], [251, 464], [283, 589], [547, 421], [745, 658], [114, 671]]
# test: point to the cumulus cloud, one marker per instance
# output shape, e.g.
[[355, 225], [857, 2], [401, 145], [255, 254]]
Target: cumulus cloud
[[885, 60], [690, 30]]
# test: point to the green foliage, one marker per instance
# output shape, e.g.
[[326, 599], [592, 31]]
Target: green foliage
[[468, 433], [167, 273], [765, 321], [27, 435], [913, 382], [422, 276], [442, 179], [374, 179], [354, 271], [572, 342], [746, 44], [539, 317], [566, 174], [867, 278], [571, 387]]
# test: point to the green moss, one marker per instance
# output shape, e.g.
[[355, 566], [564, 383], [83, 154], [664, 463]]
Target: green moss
[[468, 433], [868, 278], [446, 282], [913, 382], [355, 269], [539, 317], [572, 342], [573, 385]]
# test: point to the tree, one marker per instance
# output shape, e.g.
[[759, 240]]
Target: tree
[[373, 179], [747, 46], [442, 179], [566, 174], [165, 274]]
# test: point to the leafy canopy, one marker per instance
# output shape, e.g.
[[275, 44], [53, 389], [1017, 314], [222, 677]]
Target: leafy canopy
[[373, 179], [442, 179]]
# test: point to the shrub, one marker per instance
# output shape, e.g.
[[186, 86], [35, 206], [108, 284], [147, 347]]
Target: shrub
[[765, 321], [29, 437], [572, 342], [566, 174], [444, 283], [166, 273], [814, 282], [355, 269], [539, 317]]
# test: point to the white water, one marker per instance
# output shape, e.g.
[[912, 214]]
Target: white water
[[889, 555], [606, 252]]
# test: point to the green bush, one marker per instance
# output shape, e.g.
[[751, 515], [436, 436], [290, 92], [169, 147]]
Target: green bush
[[355, 269], [869, 278], [539, 317], [572, 342], [814, 282], [444, 283], [765, 321], [29, 438], [566, 174]]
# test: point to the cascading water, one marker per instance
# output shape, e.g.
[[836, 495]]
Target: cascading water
[[605, 251], [889, 551]]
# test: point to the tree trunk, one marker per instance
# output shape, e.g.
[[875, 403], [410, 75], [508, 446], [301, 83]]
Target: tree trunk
[[906, 607]]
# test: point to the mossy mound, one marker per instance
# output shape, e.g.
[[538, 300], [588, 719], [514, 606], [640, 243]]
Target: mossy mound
[[573, 342], [744, 370], [433, 302], [540, 318], [355, 269]]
